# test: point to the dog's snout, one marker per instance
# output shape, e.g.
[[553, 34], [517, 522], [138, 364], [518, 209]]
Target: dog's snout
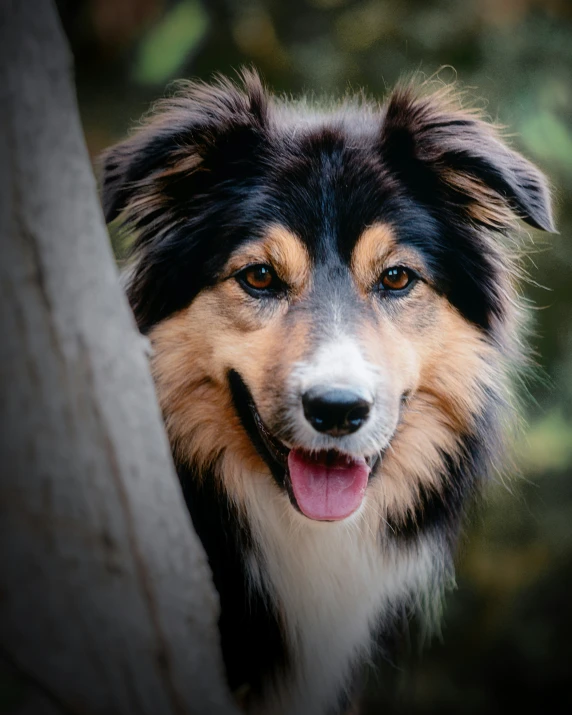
[[335, 411]]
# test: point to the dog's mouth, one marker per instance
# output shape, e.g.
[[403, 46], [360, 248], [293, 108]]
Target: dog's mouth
[[326, 485]]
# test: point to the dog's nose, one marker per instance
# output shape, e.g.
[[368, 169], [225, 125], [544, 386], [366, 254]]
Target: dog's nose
[[335, 411]]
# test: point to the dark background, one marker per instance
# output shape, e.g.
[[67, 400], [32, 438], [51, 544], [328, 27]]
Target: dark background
[[507, 629]]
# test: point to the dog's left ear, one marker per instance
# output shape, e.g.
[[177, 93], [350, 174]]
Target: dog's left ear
[[436, 147]]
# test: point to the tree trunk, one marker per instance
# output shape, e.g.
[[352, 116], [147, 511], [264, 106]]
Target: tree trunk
[[106, 599]]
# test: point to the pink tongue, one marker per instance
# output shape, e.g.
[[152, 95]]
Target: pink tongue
[[327, 487]]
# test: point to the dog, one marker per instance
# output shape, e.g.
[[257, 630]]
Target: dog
[[331, 295]]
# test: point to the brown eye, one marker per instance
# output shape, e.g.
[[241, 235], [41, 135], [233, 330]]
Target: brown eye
[[397, 278], [259, 277]]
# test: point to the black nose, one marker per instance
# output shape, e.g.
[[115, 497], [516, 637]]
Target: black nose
[[335, 411]]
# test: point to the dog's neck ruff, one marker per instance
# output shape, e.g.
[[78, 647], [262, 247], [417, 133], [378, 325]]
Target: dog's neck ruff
[[331, 586]]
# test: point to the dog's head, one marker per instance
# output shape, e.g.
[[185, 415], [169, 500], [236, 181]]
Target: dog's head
[[330, 294]]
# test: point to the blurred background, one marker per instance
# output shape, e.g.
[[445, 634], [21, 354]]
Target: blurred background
[[506, 637]]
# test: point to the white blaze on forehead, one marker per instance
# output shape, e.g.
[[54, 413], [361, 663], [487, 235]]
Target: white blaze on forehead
[[337, 363]]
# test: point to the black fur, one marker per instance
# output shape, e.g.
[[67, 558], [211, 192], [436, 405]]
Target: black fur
[[252, 641]]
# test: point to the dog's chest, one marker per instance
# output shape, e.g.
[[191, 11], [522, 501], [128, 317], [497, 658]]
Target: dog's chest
[[332, 584]]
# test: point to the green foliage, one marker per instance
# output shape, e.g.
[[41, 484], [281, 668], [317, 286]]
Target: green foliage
[[169, 43], [548, 443], [547, 137]]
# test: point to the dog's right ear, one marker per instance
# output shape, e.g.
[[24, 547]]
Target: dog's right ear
[[183, 133], [125, 166]]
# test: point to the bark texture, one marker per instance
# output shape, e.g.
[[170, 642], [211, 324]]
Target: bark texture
[[106, 599]]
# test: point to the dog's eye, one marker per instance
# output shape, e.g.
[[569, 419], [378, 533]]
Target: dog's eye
[[259, 277], [397, 278]]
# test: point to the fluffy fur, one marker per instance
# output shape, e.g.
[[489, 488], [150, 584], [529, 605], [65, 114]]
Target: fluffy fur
[[223, 177]]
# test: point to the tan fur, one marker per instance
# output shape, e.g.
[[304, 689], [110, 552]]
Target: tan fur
[[149, 200], [194, 349], [377, 249], [281, 249], [454, 370], [442, 361], [485, 206], [187, 162], [372, 248]]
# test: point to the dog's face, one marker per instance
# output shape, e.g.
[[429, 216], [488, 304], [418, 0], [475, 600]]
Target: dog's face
[[329, 299]]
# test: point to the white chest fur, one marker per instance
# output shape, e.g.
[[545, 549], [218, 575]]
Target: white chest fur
[[333, 582]]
